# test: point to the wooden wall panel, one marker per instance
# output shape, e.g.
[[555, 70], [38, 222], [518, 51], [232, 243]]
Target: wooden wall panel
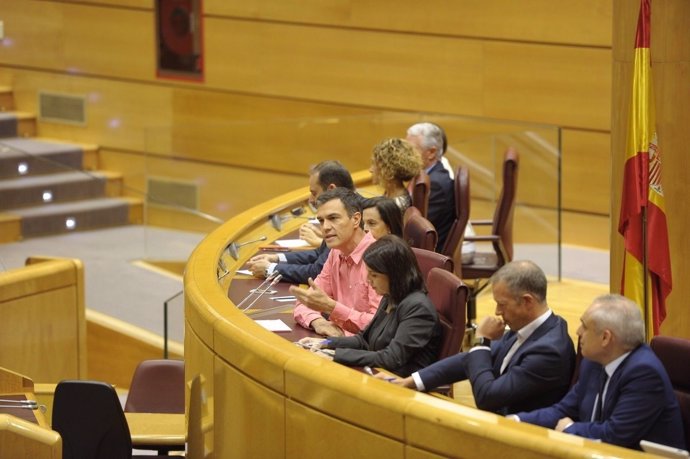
[[671, 73], [586, 171], [538, 20], [272, 67], [521, 81]]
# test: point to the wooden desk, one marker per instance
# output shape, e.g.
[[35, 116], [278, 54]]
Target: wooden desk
[[157, 429], [267, 398]]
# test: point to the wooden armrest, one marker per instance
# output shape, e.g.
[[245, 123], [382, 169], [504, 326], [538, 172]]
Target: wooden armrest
[[481, 222], [487, 238]]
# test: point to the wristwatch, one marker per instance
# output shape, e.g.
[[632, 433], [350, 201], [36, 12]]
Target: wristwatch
[[481, 341]]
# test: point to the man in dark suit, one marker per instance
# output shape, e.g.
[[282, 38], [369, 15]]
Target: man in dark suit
[[428, 140], [296, 267], [530, 366], [623, 394]]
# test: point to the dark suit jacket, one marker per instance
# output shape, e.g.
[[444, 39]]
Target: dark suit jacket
[[402, 341], [303, 264], [538, 374], [639, 404], [441, 211]]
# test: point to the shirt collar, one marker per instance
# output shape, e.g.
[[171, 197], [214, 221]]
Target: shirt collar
[[613, 365], [357, 254], [526, 331]]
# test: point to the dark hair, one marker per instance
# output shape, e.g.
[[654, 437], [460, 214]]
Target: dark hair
[[388, 210], [351, 200], [391, 256], [332, 172]]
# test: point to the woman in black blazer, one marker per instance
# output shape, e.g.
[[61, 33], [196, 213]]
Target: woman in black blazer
[[404, 334]]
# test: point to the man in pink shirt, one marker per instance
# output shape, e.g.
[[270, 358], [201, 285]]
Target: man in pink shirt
[[339, 301]]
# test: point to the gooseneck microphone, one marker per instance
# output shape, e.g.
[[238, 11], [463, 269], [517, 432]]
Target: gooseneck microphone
[[263, 287], [234, 247], [261, 293]]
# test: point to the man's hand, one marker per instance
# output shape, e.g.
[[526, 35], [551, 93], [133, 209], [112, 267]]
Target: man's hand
[[311, 234], [258, 267], [326, 328], [312, 343], [269, 257], [313, 297], [403, 382], [490, 327], [563, 424]]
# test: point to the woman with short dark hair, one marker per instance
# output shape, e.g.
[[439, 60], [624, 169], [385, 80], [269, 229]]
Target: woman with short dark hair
[[404, 334]]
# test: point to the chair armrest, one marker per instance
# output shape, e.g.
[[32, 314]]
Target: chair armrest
[[482, 222], [487, 238]]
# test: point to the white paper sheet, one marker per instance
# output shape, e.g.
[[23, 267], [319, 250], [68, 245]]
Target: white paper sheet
[[292, 243], [275, 325]]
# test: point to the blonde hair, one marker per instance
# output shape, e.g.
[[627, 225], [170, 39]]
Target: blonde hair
[[396, 159]]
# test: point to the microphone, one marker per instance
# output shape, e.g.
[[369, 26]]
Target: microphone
[[222, 270], [273, 275], [234, 247], [260, 294]]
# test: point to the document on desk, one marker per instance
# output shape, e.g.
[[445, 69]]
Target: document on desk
[[292, 243], [274, 325]]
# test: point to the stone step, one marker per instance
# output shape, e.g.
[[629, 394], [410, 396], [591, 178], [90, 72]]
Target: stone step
[[20, 157], [77, 216], [54, 188]]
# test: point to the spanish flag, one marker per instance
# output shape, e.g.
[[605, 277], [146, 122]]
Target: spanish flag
[[647, 264]]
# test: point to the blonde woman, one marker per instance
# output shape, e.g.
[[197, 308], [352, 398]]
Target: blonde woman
[[394, 162]]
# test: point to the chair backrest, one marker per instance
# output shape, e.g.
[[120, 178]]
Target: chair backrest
[[449, 295], [419, 189], [157, 387], [674, 354], [409, 213], [462, 213], [420, 233], [428, 260], [89, 418], [503, 215]]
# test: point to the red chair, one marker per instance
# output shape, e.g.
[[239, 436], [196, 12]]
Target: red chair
[[456, 235], [419, 189], [449, 295], [420, 233], [674, 354], [428, 260], [484, 264], [157, 387]]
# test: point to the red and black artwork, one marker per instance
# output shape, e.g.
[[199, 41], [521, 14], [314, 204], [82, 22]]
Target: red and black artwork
[[180, 50]]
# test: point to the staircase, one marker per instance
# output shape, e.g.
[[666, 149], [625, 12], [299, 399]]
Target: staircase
[[50, 187]]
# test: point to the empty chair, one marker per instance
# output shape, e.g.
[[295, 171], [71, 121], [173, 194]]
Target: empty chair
[[484, 264], [419, 188], [428, 259], [449, 295], [157, 387], [89, 418], [674, 354], [420, 233]]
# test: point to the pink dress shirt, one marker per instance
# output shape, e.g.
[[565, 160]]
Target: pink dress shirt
[[344, 278]]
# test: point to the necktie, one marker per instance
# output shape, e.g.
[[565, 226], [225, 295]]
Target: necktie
[[599, 402]]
